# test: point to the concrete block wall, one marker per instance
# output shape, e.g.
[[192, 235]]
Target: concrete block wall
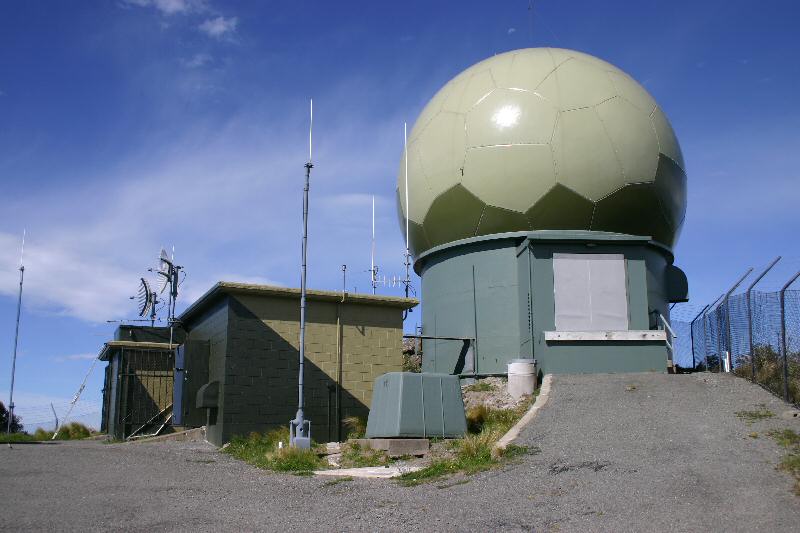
[[212, 326], [259, 369]]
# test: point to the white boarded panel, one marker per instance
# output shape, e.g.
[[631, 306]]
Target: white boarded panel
[[572, 294], [590, 292]]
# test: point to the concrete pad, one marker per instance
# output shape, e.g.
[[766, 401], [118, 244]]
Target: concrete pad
[[190, 435], [369, 472], [397, 447]]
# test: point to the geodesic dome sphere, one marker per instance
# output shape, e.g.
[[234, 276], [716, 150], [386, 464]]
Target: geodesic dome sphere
[[542, 138]]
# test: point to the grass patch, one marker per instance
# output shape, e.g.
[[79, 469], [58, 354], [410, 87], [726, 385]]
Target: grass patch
[[17, 437], [71, 431], [473, 452], [480, 386], [261, 450], [790, 463], [336, 481], [354, 456], [760, 413]]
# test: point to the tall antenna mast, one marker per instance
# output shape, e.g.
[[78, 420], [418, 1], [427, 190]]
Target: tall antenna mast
[[300, 428], [407, 281], [16, 337], [373, 270]]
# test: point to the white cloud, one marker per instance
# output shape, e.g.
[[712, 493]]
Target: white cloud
[[170, 7], [219, 27], [511, 30], [197, 60]]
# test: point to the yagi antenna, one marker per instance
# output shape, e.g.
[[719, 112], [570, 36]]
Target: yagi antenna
[[144, 297]]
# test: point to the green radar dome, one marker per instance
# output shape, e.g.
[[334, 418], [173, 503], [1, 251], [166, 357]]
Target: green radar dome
[[541, 138]]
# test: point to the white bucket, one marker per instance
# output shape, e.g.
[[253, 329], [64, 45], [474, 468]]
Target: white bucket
[[521, 377]]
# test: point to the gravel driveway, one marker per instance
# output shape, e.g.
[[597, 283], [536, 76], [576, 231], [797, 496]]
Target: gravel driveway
[[625, 452]]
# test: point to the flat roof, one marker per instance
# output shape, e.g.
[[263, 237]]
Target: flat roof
[[110, 346], [252, 289]]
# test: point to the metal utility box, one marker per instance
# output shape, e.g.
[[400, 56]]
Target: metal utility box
[[406, 404]]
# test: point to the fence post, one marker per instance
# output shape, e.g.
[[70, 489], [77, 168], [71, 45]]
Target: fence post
[[691, 334], [728, 316], [705, 329], [750, 318], [783, 337]]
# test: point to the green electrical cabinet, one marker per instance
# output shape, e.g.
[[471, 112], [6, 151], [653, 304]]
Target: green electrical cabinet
[[406, 404]]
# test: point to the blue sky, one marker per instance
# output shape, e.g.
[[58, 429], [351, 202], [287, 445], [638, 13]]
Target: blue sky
[[131, 124]]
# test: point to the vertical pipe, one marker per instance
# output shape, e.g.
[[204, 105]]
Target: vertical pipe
[[475, 324], [16, 339], [750, 318], [783, 337], [299, 418], [299, 421]]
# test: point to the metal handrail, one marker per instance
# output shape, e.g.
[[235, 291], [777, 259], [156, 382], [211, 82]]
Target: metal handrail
[[668, 328]]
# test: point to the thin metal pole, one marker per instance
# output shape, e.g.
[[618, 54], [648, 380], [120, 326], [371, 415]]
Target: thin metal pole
[[728, 316], [54, 414], [691, 332], [16, 338], [408, 214], [299, 421], [705, 329], [783, 337], [750, 318], [373, 271], [75, 399]]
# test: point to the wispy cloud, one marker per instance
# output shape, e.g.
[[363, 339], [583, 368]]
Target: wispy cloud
[[227, 196], [197, 60], [74, 357], [219, 27], [512, 30], [170, 7]]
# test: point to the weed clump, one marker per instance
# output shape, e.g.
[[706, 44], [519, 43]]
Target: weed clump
[[473, 453], [356, 456], [480, 386], [261, 450], [790, 463], [356, 427], [760, 413]]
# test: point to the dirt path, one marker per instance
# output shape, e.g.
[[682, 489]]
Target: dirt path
[[640, 452]]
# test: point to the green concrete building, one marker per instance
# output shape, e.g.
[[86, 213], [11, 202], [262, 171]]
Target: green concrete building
[[243, 368], [543, 190], [139, 381]]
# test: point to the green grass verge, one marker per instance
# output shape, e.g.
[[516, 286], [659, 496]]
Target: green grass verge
[[760, 413], [71, 431], [473, 453], [261, 450], [790, 463]]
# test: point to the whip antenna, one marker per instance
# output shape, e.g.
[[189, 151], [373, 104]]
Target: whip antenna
[[300, 428], [16, 338]]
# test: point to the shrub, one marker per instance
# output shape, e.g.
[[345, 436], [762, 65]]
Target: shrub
[[356, 427], [73, 431]]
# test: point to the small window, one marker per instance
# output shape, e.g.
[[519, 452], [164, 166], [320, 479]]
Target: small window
[[590, 292]]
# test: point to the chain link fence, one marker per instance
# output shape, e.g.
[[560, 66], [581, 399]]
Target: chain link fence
[[753, 333]]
